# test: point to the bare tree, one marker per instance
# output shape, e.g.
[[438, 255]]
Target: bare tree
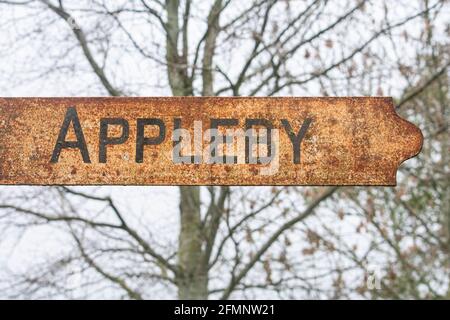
[[237, 242]]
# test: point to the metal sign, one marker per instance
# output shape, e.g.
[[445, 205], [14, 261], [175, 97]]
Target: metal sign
[[203, 141]]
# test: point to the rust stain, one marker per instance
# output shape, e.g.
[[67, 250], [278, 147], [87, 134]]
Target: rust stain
[[350, 141]]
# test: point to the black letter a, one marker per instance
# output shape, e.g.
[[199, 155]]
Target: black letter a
[[71, 116]]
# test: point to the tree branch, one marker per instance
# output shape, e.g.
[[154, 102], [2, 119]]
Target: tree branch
[[81, 37], [287, 225]]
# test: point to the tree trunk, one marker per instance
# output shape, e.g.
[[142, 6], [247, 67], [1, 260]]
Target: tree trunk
[[193, 247], [193, 282]]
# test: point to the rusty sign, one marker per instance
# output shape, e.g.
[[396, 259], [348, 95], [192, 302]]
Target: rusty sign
[[203, 141]]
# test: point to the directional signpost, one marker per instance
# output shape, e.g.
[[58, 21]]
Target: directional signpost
[[203, 141]]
